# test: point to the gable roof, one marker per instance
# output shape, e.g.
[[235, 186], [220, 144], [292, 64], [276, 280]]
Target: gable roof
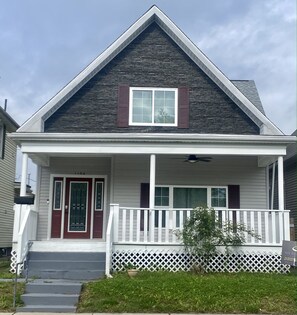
[[154, 14], [249, 90], [10, 124], [292, 150]]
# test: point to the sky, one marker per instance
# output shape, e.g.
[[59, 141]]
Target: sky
[[44, 44]]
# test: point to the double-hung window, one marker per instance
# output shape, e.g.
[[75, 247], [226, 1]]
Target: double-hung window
[[153, 106]]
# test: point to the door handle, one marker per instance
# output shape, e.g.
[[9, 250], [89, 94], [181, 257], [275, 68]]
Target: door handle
[[66, 208]]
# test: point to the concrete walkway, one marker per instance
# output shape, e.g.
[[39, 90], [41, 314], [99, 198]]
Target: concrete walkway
[[19, 313]]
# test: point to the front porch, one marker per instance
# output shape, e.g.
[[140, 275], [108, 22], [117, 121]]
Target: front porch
[[130, 239]]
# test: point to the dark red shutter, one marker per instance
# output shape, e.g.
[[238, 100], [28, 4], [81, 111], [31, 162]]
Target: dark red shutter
[[234, 196], [123, 106], [144, 201], [234, 201], [183, 107]]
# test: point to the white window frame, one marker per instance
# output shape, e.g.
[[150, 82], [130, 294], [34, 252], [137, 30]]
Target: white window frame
[[131, 123], [208, 189]]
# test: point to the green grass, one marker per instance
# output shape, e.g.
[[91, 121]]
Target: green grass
[[4, 269], [6, 296], [182, 292], [6, 288]]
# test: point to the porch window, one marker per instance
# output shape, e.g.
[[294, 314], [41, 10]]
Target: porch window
[[218, 197], [153, 106], [180, 198], [58, 195], [189, 197], [161, 200]]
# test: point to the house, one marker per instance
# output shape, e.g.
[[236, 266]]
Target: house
[[290, 186], [149, 130], [290, 182], [7, 175]]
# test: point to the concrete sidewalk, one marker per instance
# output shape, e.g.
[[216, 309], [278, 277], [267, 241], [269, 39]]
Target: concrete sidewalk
[[37, 313]]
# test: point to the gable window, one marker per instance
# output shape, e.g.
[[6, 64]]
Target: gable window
[[153, 106]]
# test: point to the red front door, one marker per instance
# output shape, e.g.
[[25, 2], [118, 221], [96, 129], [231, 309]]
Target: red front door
[[78, 204], [83, 209]]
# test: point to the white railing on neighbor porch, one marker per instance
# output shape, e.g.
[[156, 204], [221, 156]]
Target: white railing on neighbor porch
[[133, 225], [24, 230]]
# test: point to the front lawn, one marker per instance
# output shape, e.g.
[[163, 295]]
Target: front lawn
[[164, 292], [4, 268], [6, 288]]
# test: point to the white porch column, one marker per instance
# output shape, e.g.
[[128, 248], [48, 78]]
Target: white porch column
[[24, 175], [272, 186], [280, 169], [152, 180], [152, 195]]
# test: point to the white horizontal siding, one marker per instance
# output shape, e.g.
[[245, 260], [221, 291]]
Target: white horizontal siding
[[130, 171], [7, 177], [66, 166]]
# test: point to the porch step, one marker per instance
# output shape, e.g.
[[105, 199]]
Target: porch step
[[50, 296], [82, 275], [66, 265]]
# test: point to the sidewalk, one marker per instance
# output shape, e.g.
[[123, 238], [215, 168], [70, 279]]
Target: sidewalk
[[37, 313]]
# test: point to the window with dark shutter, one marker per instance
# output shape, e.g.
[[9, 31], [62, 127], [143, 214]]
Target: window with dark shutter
[[123, 106], [183, 107], [233, 196]]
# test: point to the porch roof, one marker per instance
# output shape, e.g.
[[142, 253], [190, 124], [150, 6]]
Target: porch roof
[[41, 146]]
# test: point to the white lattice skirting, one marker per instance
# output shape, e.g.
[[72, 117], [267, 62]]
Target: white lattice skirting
[[13, 261], [154, 260]]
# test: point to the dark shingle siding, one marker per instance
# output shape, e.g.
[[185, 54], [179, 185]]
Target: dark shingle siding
[[151, 60], [249, 90]]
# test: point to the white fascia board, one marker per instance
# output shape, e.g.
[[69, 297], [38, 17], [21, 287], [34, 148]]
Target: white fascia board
[[152, 148], [148, 137], [35, 123]]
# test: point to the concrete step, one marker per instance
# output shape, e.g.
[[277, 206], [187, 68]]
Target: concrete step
[[68, 265], [47, 309], [53, 286], [67, 274], [68, 256], [50, 299]]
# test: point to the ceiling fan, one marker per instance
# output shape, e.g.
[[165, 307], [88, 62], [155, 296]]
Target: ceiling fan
[[192, 158]]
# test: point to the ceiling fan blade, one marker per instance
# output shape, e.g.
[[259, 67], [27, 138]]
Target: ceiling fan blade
[[204, 159]]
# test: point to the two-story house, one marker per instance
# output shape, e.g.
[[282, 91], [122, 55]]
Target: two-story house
[[148, 131], [8, 151]]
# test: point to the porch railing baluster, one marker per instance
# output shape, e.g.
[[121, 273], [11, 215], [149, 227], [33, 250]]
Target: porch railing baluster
[[158, 226]]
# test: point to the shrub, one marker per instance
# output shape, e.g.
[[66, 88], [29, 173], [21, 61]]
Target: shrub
[[203, 232]]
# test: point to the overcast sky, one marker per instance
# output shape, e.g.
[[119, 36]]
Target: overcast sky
[[45, 43]]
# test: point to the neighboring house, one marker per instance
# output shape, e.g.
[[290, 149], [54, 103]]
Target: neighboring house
[[290, 173], [149, 130], [290, 186], [7, 174]]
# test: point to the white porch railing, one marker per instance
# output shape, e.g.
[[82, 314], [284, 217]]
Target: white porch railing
[[25, 225], [133, 225]]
